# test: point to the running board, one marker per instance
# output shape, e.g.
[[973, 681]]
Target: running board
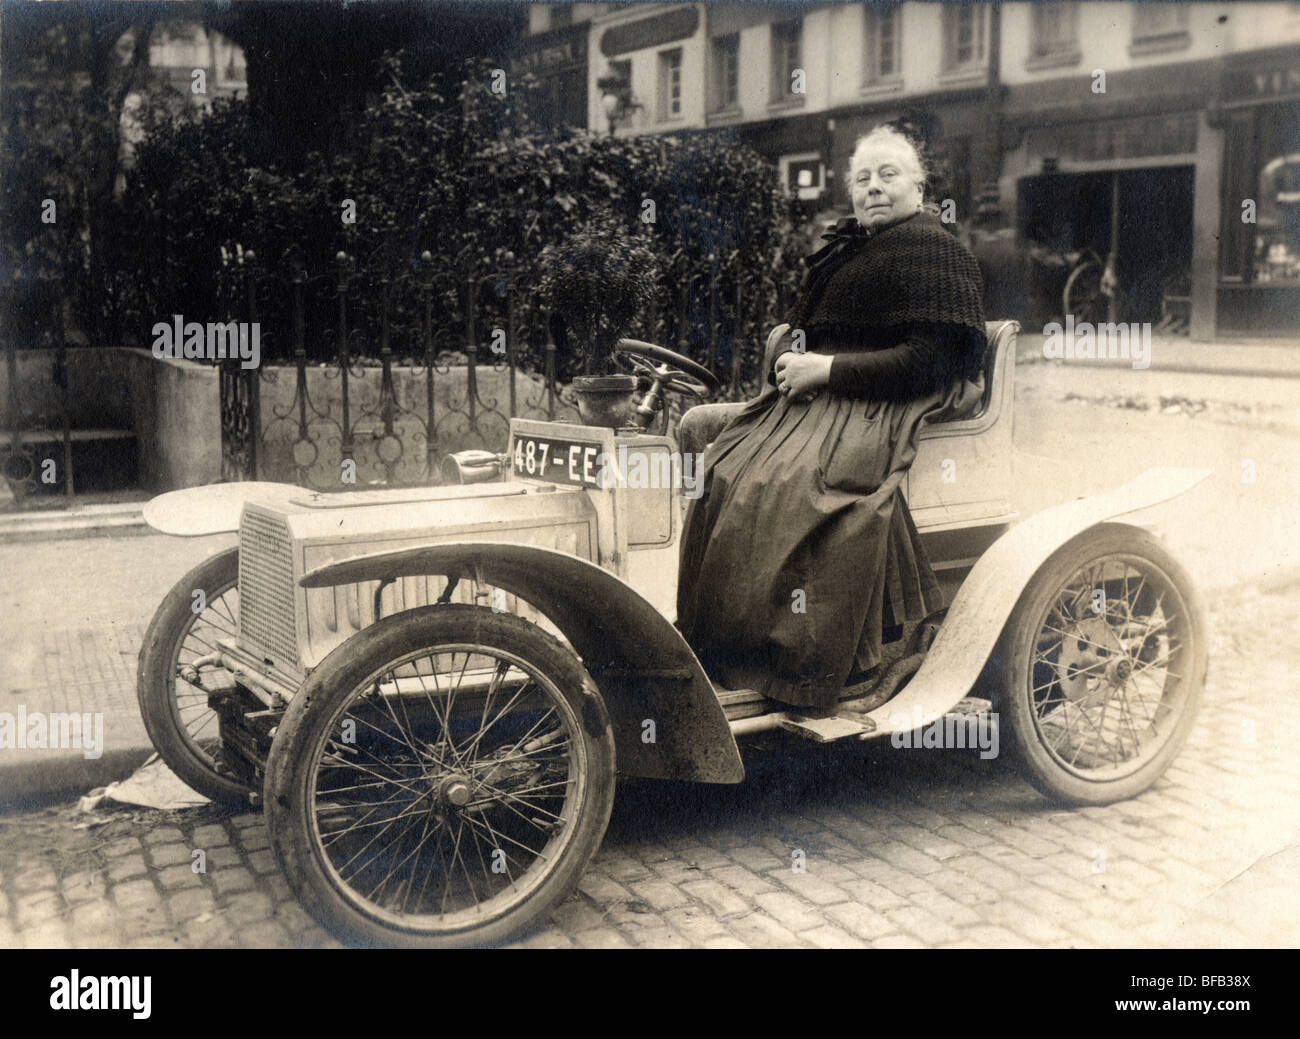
[[827, 730]]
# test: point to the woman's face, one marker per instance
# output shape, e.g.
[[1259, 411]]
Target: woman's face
[[883, 183]]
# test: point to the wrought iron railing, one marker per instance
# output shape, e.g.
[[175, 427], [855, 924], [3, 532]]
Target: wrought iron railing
[[390, 365]]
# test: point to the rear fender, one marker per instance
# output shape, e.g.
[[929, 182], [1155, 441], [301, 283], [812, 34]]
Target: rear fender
[[645, 670], [986, 598]]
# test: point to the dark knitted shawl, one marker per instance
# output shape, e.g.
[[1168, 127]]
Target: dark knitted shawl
[[908, 276]]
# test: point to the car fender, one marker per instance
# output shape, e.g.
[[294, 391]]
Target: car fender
[[645, 670], [213, 508], [986, 598]]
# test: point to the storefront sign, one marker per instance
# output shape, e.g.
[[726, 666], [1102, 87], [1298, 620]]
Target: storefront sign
[[555, 55], [1127, 138], [654, 31], [1280, 82]]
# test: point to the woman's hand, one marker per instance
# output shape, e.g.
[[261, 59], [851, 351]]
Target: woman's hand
[[801, 376]]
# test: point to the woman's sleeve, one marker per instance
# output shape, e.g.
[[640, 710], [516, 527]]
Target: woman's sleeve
[[919, 361]]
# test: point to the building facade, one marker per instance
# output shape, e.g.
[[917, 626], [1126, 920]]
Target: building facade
[[1164, 135]]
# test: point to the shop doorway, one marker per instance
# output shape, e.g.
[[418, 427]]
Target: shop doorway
[[1144, 215]]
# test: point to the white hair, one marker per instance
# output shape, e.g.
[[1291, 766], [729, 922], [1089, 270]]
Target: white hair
[[920, 172]]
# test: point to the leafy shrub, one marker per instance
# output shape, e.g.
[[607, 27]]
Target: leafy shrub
[[598, 279], [473, 186]]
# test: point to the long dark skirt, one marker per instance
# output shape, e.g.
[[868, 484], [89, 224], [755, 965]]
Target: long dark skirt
[[801, 549]]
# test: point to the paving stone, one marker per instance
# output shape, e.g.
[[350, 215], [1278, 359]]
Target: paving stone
[[136, 895], [163, 835], [224, 881], [161, 855], [254, 839], [209, 837], [126, 867], [221, 858], [760, 931], [265, 935], [742, 881], [790, 911], [860, 920], [120, 846], [829, 937], [727, 942], [659, 895], [874, 895], [247, 907], [695, 924], [174, 877], [602, 889], [923, 925], [576, 915], [898, 941], [83, 887], [263, 861], [601, 938], [811, 887], [185, 905], [719, 899]]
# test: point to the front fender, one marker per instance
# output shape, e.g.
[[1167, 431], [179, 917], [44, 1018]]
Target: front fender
[[984, 602], [644, 668], [214, 508]]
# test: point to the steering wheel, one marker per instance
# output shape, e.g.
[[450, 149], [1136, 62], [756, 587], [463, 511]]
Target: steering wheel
[[671, 372]]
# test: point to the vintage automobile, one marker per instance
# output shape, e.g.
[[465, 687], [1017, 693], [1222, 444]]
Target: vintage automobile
[[431, 691]]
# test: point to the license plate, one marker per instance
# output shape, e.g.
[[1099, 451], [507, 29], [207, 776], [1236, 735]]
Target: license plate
[[573, 462]]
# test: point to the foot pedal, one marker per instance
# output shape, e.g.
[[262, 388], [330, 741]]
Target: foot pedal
[[827, 730]]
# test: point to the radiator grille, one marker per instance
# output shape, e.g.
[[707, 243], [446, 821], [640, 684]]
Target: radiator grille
[[266, 589]]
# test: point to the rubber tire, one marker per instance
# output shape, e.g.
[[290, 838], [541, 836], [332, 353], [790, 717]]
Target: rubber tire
[[1088, 267], [1018, 735], [286, 795], [155, 682]]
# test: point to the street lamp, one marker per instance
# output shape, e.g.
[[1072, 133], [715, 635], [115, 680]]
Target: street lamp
[[616, 96], [611, 103]]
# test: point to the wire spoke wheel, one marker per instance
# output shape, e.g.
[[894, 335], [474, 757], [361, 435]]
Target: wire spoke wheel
[[444, 795], [201, 611], [1107, 661], [1082, 296]]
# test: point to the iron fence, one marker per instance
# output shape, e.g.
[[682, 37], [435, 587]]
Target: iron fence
[[389, 365]]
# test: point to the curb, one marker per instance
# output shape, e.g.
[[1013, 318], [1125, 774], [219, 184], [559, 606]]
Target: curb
[[90, 521], [30, 783]]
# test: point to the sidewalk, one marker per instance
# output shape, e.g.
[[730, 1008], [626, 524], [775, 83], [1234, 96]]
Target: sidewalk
[[1264, 358], [73, 613]]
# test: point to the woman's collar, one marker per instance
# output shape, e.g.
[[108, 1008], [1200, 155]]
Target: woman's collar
[[849, 228]]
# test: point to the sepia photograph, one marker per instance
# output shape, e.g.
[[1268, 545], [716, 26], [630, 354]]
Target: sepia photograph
[[650, 475]]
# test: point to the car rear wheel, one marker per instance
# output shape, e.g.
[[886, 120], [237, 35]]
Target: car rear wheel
[[1105, 660], [442, 780], [201, 608]]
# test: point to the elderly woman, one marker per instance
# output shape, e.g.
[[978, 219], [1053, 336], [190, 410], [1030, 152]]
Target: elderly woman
[[800, 550]]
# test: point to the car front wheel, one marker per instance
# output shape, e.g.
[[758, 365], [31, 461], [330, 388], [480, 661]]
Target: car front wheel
[[442, 780]]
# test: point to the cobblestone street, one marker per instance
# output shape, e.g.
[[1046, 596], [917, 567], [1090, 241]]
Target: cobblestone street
[[902, 848]]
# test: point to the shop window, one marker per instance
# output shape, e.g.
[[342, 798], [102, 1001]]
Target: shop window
[[786, 41], [1055, 34], [1159, 27], [670, 84], [882, 45], [1277, 233], [726, 71], [964, 31]]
